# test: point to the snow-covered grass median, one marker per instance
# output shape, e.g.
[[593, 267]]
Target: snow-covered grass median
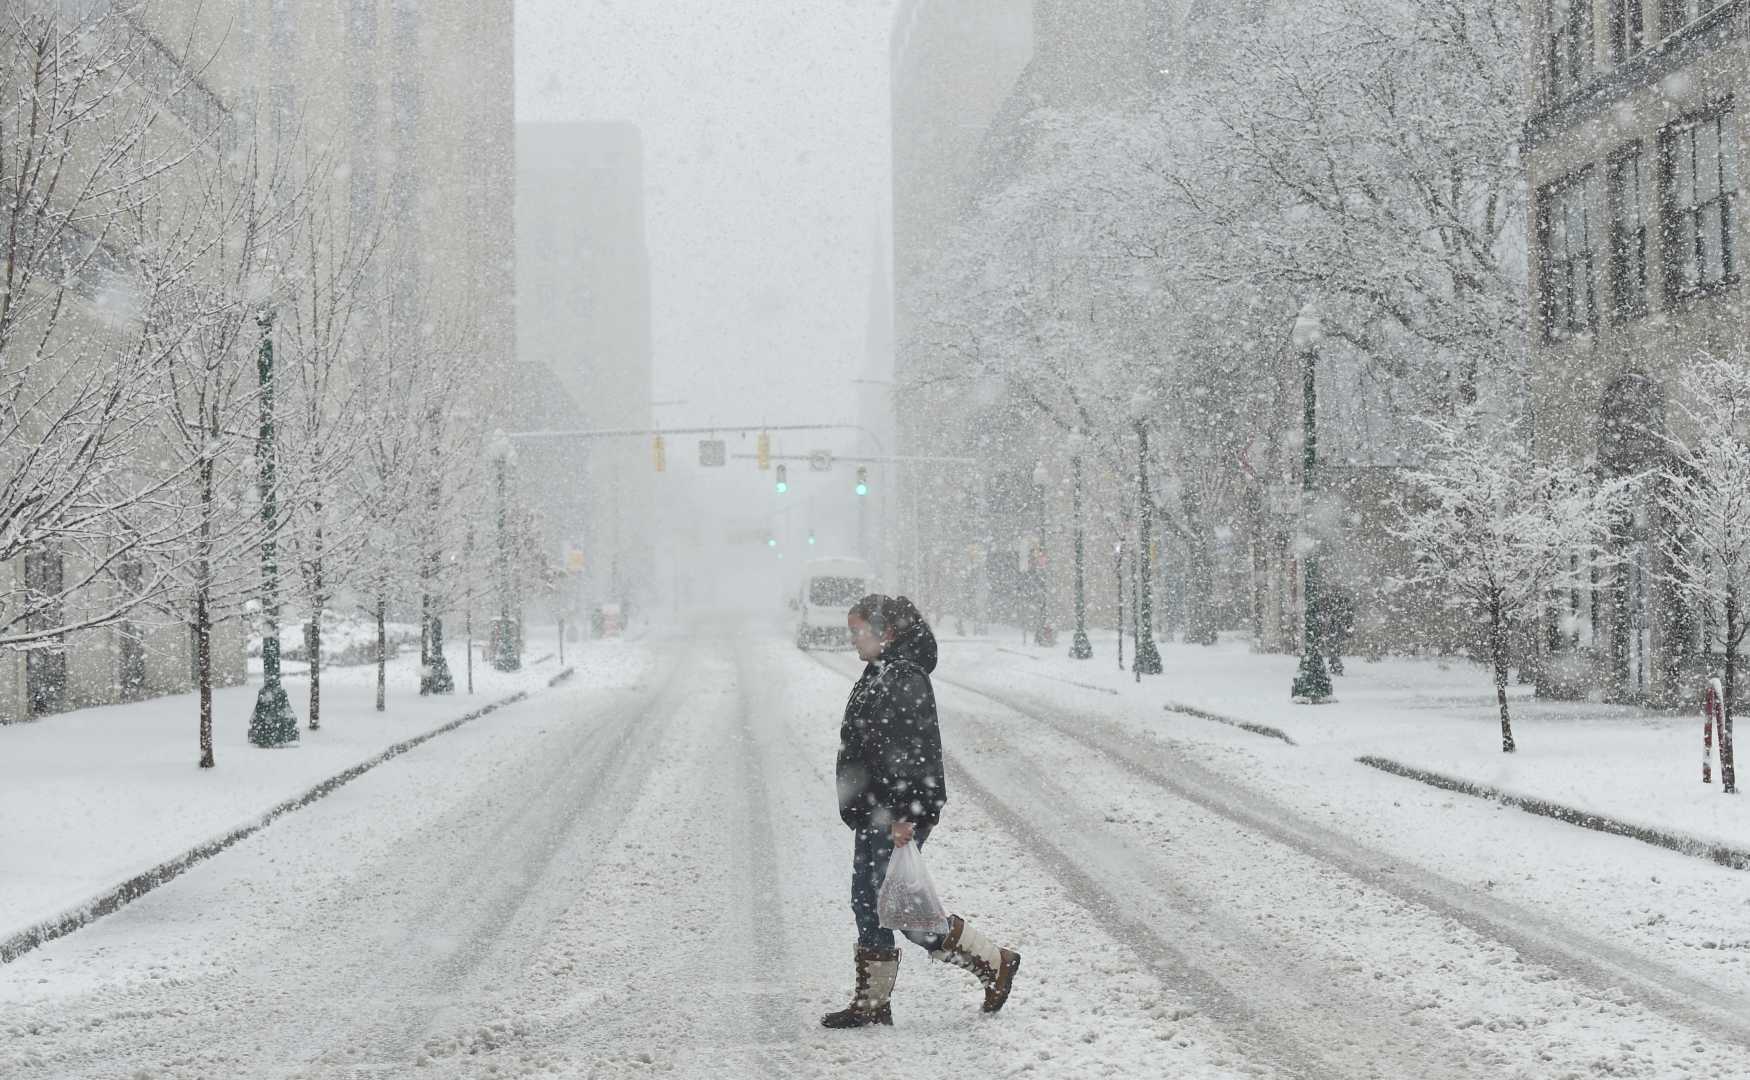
[[1438, 715]]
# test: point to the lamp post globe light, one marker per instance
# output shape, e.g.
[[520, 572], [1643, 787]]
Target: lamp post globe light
[[1080, 647], [506, 649], [1312, 682], [1148, 657], [273, 723]]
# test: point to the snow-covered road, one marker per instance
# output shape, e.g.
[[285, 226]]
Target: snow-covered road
[[651, 879]]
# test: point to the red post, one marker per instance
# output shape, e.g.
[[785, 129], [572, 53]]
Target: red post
[[1711, 717]]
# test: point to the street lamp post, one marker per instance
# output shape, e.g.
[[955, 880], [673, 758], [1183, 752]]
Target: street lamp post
[[1118, 574], [1312, 682], [1080, 648], [273, 723], [1043, 634], [434, 672], [506, 655], [1148, 657]]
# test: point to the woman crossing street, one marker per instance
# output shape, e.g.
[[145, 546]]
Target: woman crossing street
[[891, 789]]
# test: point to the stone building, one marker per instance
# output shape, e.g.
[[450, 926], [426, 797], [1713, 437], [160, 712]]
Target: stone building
[[414, 100], [1632, 148]]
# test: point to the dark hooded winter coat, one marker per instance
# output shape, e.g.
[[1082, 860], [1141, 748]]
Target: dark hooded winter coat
[[890, 747]]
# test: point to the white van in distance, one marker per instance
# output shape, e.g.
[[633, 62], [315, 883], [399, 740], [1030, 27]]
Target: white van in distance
[[829, 589]]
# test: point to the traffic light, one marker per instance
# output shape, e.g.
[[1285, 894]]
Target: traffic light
[[659, 454], [810, 537], [783, 479], [764, 451], [771, 541], [862, 480]]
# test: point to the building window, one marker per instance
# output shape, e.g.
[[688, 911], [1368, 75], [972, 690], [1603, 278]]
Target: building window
[[45, 665], [361, 23], [282, 112], [280, 31], [1567, 246], [406, 105], [1568, 46], [1628, 234], [1627, 30], [363, 181], [1674, 15], [130, 635], [404, 25], [1699, 159]]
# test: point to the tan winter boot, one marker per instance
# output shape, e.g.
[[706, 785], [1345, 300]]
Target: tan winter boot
[[995, 967], [876, 971]]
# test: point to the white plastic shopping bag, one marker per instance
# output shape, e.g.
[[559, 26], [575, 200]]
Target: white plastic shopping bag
[[908, 899]]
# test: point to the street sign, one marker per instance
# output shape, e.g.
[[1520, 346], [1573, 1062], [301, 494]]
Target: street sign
[[712, 453], [820, 460]]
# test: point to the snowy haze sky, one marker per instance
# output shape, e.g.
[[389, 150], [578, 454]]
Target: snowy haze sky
[[765, 128]]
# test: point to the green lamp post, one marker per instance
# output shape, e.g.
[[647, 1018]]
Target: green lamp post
[[1312, 682]]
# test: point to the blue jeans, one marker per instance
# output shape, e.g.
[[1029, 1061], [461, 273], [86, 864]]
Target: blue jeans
[[874, 848]]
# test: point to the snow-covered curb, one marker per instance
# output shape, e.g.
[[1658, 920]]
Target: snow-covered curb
[[1243, 725], [111, 900], [1723, 854]]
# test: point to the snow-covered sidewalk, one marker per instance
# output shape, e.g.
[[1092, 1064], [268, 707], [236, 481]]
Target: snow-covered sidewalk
[[91, 798], [1633, 765]]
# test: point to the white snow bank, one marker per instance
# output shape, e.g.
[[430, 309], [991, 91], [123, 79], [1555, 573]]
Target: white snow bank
[[94, 797]]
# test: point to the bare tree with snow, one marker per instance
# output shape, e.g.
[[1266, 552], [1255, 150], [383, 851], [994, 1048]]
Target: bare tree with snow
[[211, 229], [78, 149], [334, 272], [1706, 490], [1498, 534]]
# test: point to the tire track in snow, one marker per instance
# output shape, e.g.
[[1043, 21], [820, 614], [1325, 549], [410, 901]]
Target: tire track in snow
[[767, 998], [487, 912], [678, 944], [1605, 969]]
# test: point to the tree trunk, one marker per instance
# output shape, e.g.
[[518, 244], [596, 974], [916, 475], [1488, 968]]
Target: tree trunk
[[382, 649], [424, 638], [1258, 546], [1499, 646], [1200, 628], [314, 645], [1729, 774], [203, 615]]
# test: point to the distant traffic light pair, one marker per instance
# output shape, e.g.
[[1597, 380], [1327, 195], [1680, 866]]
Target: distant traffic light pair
[[783, 483]]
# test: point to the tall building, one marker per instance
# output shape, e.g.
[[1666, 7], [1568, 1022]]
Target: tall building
[[1632, 148], [954, 64], [412, 102], [583, 315]]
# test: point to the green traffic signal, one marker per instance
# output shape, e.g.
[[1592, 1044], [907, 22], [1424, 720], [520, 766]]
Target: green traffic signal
[[783, 479]]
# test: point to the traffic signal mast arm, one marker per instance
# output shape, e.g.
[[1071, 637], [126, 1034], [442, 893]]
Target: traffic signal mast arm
[[718, 429], [870, 459]]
